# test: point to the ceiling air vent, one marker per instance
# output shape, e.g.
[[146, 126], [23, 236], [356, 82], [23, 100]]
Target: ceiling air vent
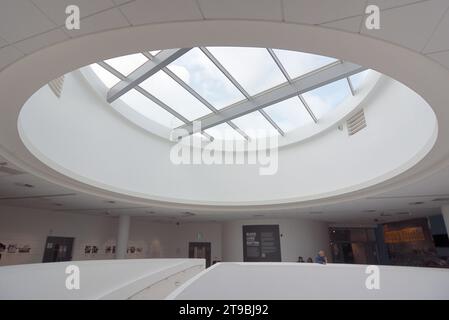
[[356, 122], [56, 86]]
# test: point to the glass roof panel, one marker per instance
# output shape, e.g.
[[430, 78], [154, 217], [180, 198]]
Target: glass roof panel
[[299, 63], [358, 79], [326, 98], [149, 109], [224, 132], [255, 125], [289, 114], [108, 79], [206, 79], [176, 97], [255, 71], [127, 64], [253, 68]]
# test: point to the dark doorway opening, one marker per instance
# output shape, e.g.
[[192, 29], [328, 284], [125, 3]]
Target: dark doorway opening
[[200, 250], [354, 245], [58, 249]]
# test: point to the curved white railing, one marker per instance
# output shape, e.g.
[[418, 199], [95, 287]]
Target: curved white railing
[[98, 279], [260, 281]]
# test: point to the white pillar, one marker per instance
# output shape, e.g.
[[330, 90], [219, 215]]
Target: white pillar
[[122, 236], [445, 212]]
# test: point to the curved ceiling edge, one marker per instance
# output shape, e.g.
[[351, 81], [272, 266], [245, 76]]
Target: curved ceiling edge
[[367, 53]]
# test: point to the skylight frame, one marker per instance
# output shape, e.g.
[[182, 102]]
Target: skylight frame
[[289, 79], [325, 75], [170, 53], [194, 93], [150, 96], [143, 72], [239, 87]]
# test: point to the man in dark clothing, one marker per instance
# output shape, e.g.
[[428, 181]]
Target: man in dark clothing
[[321, 257]]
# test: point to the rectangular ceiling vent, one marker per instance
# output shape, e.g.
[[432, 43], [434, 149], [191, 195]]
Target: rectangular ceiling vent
[[356, 122], [56, 86]]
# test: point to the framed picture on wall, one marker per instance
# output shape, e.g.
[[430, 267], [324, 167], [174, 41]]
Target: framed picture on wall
[[24, 249], [131, 250], [12, 248]]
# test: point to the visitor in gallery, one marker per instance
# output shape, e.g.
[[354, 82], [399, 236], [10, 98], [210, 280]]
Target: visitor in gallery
[[321, 258]]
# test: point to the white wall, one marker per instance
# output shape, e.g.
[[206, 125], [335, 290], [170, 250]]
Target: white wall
[[23, 226], [158, 240], [298, 238], [171, 240]]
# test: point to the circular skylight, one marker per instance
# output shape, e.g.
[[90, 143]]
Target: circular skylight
[[236, 92]]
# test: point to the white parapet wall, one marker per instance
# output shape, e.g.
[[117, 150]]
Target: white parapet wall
[[242, 281], [98, 279]]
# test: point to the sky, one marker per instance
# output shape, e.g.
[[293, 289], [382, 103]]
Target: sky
[[253, 68]]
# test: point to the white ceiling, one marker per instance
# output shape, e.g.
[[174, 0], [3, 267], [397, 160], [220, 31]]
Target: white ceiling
[[27, 26], [48, 196]]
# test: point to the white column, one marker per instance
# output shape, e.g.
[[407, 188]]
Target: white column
[[445, 212], [122, 236]]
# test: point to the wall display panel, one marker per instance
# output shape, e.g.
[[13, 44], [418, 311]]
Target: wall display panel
[[261, 243]]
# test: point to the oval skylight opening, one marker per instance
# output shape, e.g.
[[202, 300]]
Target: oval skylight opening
[[235, 92]]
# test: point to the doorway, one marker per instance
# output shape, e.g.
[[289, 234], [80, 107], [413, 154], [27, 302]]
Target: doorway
[[58, 249], [200, 250], [353, 245]]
